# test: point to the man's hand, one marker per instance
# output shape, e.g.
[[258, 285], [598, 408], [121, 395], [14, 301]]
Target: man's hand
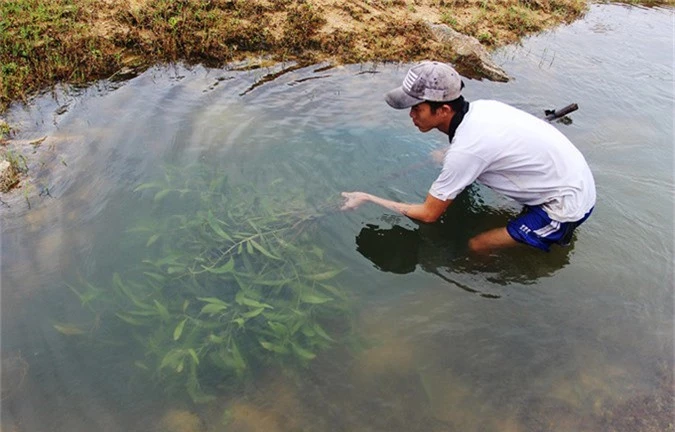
[[427, 212], [353, 200]]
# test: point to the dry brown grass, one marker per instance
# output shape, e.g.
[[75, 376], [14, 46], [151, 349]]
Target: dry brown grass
[[43, 42]]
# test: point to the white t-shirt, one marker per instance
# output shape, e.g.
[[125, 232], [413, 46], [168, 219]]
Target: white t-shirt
[[520, 156]]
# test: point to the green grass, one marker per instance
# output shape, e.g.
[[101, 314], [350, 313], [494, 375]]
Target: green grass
[[5, 130], [45, 42]]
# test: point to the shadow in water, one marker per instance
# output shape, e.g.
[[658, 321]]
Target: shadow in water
[[441, 248]]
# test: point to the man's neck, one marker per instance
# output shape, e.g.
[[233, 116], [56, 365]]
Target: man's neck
[[455, 119], [445, 125]]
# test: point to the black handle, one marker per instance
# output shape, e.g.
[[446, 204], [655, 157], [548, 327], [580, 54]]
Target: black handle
[[556, 114]]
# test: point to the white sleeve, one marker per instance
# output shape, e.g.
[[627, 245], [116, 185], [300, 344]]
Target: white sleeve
[[459, 171]]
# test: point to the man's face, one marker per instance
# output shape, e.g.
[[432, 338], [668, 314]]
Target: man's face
[[423, 118]]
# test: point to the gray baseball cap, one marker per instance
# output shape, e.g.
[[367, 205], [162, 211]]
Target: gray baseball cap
[[426, 81]]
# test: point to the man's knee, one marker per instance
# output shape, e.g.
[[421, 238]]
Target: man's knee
[[477, 245], [491, 240]]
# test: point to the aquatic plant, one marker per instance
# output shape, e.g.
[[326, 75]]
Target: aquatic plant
[[231, 282]]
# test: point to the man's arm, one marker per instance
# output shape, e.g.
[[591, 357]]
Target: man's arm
[[429, 211]]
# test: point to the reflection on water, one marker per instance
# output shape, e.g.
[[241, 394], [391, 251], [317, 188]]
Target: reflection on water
[[579, 339], [440, 248]]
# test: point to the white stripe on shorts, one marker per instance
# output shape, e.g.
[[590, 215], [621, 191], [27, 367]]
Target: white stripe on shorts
[[548, 229]]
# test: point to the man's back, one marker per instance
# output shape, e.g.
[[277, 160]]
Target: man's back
[[520, 156]]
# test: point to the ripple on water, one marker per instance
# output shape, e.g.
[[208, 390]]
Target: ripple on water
[[570, 337]]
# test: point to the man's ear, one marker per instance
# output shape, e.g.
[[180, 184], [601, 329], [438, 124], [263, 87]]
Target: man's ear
[[447, 109]]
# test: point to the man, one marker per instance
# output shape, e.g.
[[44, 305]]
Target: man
[[504, 148]]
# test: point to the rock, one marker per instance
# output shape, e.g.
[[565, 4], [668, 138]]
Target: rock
[[8, 176], [473, 59], [176, 420], [126, 73], [392, 357], [245, 417], [13, 371], [4, 166]]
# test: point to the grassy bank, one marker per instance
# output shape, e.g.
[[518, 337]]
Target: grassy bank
[[43, 42]]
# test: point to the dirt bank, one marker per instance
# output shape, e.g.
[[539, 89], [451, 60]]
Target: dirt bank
[[43, 42]]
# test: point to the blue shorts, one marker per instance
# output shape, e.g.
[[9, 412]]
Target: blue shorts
[[535, 228]]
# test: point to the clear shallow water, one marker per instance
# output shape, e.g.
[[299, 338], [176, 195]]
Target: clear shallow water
[[525, 342]]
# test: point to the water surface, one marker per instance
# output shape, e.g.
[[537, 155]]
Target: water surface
[[524, 342]]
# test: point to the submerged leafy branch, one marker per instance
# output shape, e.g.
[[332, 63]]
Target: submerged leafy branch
[[231, 282]]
